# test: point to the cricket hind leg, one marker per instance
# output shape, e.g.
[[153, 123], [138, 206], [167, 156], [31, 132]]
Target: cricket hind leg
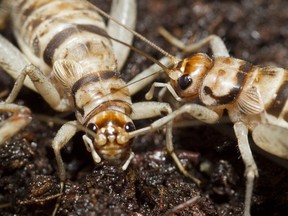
[[125, 11]]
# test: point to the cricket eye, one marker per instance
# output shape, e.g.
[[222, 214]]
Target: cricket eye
[[92, 127], [184, 81], [129, 127]]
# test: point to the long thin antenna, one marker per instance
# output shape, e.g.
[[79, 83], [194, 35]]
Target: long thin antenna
[[165, 68], [136, 34]]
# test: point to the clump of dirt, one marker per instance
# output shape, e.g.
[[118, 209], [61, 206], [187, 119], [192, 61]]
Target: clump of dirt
[[152, 185]]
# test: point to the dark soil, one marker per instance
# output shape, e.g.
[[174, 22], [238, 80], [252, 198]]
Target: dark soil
[[256, 31]]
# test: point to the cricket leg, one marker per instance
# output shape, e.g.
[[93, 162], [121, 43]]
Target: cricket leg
[[216, 43], [65, 133], [21, 116], [125, 11], [251, 170]]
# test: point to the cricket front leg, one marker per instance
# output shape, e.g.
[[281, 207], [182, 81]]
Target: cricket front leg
[[152, 109], [164, 87], [147, 76], [21, 116], [199, 112], [65, 133]]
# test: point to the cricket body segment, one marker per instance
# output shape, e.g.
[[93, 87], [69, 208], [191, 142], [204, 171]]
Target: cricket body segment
[[66, 41], [47, 31]]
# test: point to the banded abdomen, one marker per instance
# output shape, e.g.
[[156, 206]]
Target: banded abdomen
[[272, 84], [47, 31], [245, 89], [67, 41]]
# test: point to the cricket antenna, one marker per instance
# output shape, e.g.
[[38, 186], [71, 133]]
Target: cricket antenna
[[150, 43]]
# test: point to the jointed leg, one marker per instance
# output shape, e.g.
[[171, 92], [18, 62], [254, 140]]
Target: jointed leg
[[147, 76], [217, 45], [42, 84], [197, 111], [165, 87], [170, 149], [144, 110], [12, 60], [251, 170], [65, 133], [150, 109], [19, 119]]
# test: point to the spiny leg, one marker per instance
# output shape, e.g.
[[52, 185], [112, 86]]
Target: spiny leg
[[170, 149], [193, 111], [21, 116], [65, 133], [251, 170]]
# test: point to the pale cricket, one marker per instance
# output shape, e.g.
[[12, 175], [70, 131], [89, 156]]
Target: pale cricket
[[66, 55]]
